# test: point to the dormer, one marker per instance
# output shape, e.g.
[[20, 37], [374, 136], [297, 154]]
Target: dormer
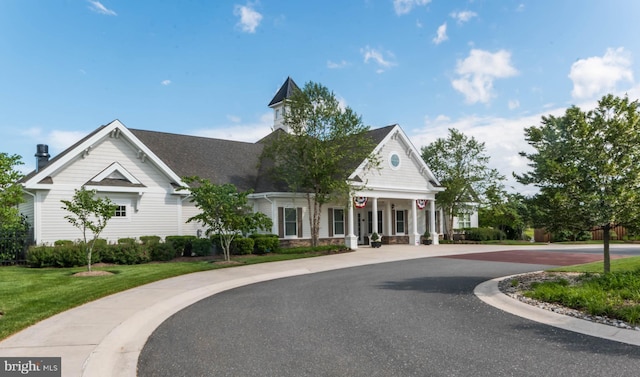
[[278, 103]]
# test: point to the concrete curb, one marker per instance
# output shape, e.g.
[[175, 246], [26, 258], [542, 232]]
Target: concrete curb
[[491, 294]]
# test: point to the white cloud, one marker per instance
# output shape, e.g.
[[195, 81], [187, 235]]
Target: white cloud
[[598, 75], [234, 118], [520, 8], [478, 71], [249, 18], [503, 138], [165, 82], [334, 65], [59, 140], [513, 104], [249, 132], [97, 7], [463, 16], [378, 57], [441, 34], [405, 6]]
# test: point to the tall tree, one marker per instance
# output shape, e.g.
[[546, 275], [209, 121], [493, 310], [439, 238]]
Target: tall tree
[[461, 165], [505, 211], [10, 190], [89, 214], [326, 143], [587, 165], [224, 211]]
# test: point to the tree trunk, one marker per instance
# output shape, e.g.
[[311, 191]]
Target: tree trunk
[[605, 240]]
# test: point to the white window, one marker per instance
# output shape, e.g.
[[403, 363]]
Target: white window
[[290, 222], [464, 221], [394, 160], [121, 211], [338, 221], [277, 113], [400, 222]]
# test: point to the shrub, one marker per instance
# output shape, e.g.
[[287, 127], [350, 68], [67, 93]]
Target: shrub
[[41, 256], [201, 247], [242, 246], [265, 243], [161, 251], [57, 256], [146, 240], [126, 241], [484, 234], [181, 244], [310, 249], [63, 243], [126, 253]]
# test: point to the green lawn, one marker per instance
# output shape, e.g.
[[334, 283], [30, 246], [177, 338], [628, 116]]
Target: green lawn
[[29, 295], [616, 295]]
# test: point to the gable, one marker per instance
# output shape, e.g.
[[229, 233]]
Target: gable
[[401, 167], [110, 156]]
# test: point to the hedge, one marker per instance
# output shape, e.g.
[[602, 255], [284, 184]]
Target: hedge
[[483, 234], [181, 244], [242, 246], [265, 243]]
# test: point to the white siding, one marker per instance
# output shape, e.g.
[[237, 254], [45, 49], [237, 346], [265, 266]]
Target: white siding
[[406, 176], [26, 209]]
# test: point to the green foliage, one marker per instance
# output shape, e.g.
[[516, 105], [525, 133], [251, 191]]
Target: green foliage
[[63, 242], [89, 214], [615, 294], [265, 243], [125, 253], [63, 255], [311, 249], [181, 244], [10, 190], [461, 165], [224, 211], [201, 247], [587, 165], [325, 143], [147, 240], [242, 246], [161, 251], [126, 241], [14, 237], [483, 234]]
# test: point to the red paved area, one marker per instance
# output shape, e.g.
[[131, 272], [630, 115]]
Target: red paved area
[[535, 257]]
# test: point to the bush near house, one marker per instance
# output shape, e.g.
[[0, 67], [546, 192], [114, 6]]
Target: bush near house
[[201, 247], [147, 240], [483, 234], [181, 244], [265, 243], [161, 251], [242, 246]]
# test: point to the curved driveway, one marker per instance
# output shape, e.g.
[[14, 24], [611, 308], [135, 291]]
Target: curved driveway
[[409, 318]]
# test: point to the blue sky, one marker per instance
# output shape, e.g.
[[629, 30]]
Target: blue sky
[[488, 68]]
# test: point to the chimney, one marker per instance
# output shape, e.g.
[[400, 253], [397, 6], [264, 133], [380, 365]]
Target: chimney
[[42, 156]]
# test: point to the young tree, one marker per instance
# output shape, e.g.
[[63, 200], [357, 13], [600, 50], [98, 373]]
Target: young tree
[[10, 190], [461, 165], [326, 143], [89, 214], [587, 165], [224, 211]]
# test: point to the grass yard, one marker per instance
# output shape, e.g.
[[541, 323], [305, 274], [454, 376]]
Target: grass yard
[[615, 295], [29, 295]]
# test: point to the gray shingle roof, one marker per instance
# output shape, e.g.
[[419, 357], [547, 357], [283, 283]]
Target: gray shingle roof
[[285, 91], [219, 161]]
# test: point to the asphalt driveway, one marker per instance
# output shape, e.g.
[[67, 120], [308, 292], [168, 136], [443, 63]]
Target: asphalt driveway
[[409, 318]]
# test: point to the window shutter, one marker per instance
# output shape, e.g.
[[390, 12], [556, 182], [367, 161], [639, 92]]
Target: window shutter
[[281, 222], [299, 222], [394, 222], [330, 222]]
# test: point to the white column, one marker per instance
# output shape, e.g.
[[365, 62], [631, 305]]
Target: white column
[[389, 219], [350, 240], [414, 236], [432, 222], [374, 217]]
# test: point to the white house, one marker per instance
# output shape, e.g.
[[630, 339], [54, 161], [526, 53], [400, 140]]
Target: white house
[[141, 171]]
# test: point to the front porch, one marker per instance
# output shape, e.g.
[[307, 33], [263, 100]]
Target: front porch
[[396, 220]]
